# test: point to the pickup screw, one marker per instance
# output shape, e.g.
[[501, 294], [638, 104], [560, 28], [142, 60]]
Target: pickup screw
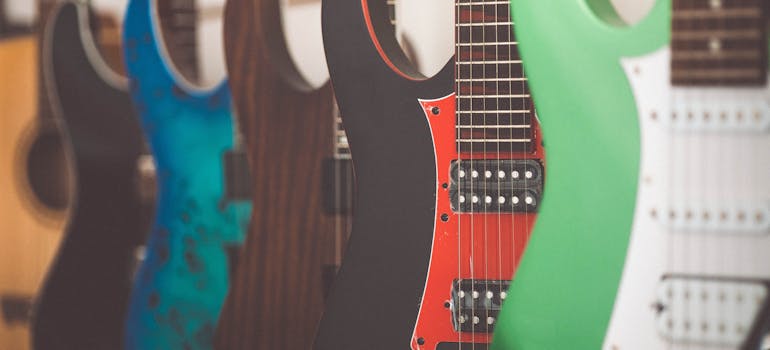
[[435, 110], [503, 295]]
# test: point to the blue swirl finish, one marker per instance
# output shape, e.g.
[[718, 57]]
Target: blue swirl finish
[[182, 284]]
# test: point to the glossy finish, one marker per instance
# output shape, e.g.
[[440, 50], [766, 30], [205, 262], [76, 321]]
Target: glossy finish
[[403, 256], [565, 288], [91, 276], [278, 289], [182, 284]]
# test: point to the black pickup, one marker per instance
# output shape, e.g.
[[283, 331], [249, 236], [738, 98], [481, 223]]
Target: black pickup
[[476, 304], [492, 185]]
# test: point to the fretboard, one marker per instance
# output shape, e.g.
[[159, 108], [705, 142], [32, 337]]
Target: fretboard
[[179, 22], [44, 111], [341, 146], [719, 42], [493, 102]]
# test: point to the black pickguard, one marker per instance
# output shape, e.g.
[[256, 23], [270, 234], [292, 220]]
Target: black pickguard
[[83, 300], [375, 299]]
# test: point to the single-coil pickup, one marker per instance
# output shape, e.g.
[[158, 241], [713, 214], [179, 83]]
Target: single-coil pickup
[[495, 185], [717, 110], [711, 311], [743, 218], [475, 304]]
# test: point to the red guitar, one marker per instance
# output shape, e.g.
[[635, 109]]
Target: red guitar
[[439, 226]]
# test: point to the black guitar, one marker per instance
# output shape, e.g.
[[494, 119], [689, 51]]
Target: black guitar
[[83, 301]]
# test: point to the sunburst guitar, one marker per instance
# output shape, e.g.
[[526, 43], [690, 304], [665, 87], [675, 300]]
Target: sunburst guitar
[[449, 174], [182, 284], [655, 227]]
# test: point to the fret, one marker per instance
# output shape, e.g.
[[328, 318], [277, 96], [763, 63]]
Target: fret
[[506, 132], [520, 126], [719, 43], [490, 62], [494, 140], [495, 96], [475, 3], [480, 13], [717, 55], [493, 104], [481, 104], [483, 24], [716, 34], [482, 71], [487, 34], [753, 12], [492, 111], [499, 52], [706, 74], [502, 43], [490, 146], [468, 119]]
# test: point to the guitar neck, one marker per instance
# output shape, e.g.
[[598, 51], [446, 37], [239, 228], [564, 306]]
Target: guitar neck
[[44, 110], [493, 104], [179, 26], [719, 43]]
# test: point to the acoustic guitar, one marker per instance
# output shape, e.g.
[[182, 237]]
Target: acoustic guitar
[[449, 175], [87, 286], [182, 283], [655, 227], [34, 179]]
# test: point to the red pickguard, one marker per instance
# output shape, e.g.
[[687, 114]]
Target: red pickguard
[[498, 240]]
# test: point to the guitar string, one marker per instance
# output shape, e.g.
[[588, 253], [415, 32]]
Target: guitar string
[[460, 166]]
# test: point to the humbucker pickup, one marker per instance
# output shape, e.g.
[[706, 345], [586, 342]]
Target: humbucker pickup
[[475, 304], [495, 185]]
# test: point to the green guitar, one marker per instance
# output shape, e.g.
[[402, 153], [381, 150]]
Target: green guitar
[[653, 232]]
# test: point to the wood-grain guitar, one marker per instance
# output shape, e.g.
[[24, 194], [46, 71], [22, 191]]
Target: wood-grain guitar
[[302, 185], [449, 175]]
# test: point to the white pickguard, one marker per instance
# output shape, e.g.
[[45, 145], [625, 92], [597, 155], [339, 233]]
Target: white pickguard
[[702, 210]]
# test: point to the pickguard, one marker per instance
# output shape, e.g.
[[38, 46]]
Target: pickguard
[[466, 246], [700, 236]]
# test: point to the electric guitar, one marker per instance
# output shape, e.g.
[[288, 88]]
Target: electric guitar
[[654, 229], [302, 184], [449, 174], [182, 283], [87, 287], [33, 176]]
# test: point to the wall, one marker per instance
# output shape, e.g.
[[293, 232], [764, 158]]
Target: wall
[[426, 25]]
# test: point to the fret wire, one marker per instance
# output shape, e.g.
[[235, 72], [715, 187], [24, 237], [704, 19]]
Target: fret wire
[[510, 126], [491, 140], [490, 62]]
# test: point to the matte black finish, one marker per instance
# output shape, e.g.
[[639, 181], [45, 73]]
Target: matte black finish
[[83, 300], [374, 301]]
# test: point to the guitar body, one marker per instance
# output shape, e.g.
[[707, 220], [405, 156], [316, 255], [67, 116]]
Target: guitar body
[[414, 264], [30, 232], [91, 277], [278, 290], [182, 283], [664, 250]]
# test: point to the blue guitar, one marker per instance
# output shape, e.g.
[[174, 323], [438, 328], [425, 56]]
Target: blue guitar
[[182, 283]]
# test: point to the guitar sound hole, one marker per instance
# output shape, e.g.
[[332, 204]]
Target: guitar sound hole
[[47, 172]]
